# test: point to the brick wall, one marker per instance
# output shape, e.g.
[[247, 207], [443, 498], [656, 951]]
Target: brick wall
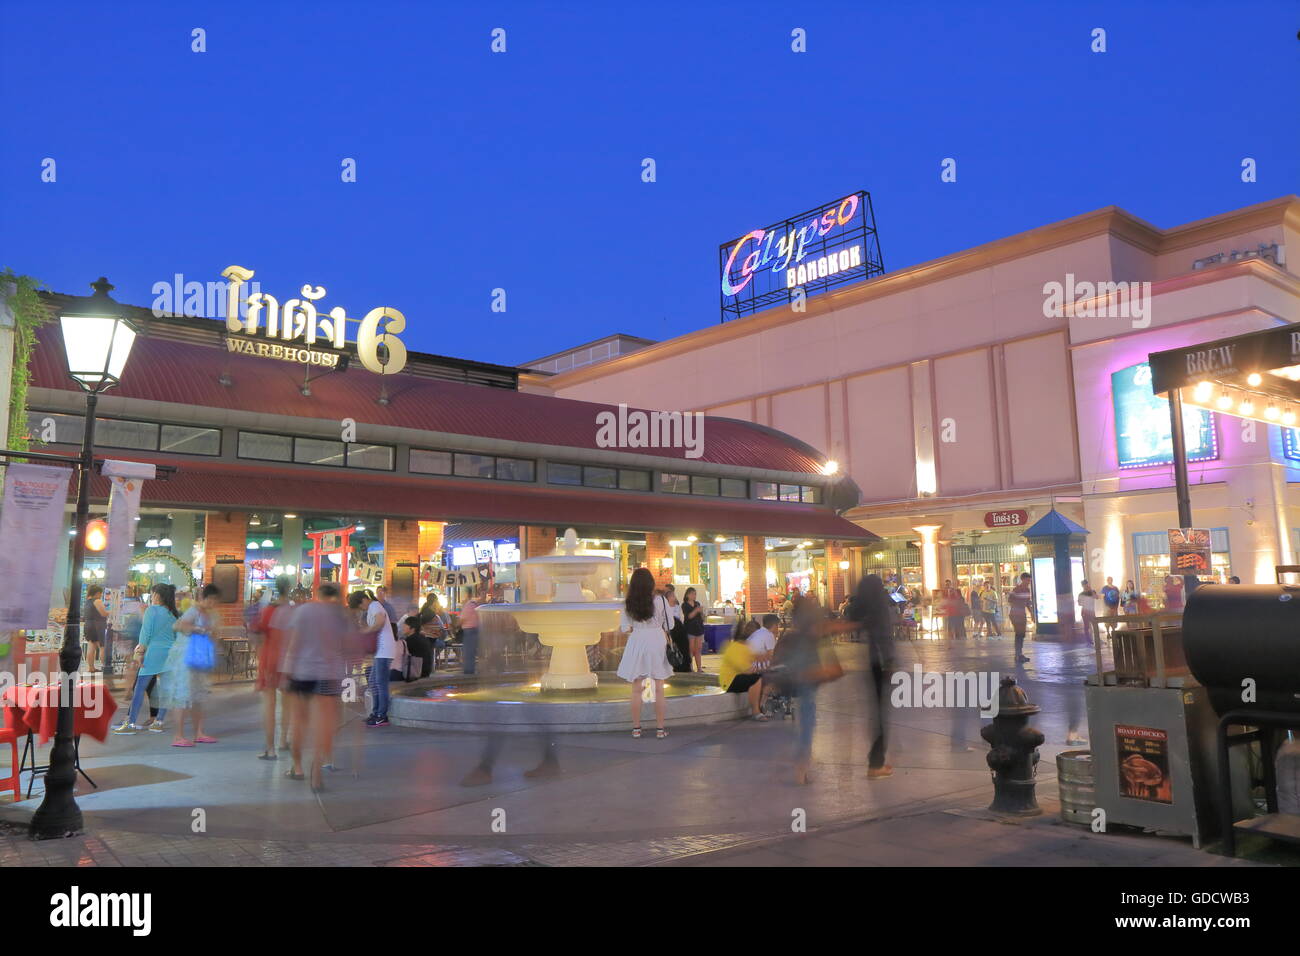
[[656, 549], [225, 535], [401, 543], [756, 575], [538, 542], [835, 577], [429, 540]]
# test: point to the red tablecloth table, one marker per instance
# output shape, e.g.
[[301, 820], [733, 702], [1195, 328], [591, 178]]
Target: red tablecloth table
[[36, 710]]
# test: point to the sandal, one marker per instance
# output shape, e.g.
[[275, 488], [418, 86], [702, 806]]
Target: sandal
[[182, 743], [295, 776], [205, 740], [661, 733], [267, 755], [636, 731]]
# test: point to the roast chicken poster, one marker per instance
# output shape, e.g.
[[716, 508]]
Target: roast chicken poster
[[1143, 757]]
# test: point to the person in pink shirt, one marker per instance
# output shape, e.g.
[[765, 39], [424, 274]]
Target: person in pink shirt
[[469, 632]]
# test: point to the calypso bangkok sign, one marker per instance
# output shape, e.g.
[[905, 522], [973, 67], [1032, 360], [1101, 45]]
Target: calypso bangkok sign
[[289, 331]]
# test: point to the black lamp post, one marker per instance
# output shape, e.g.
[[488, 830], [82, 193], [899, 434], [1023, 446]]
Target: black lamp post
[[97, 340]]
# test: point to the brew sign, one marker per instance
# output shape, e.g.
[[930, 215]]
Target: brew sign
[[1006, 519]]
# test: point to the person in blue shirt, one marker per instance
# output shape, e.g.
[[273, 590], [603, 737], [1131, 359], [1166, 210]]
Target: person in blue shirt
[[157, 635]]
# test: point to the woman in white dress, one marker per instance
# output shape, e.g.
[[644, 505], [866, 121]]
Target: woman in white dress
[[648, 620]]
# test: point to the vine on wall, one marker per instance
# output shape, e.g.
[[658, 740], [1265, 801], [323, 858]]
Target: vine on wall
[[29, 314]]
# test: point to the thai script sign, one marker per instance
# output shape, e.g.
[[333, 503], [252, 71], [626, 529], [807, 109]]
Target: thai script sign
[[299, 321]]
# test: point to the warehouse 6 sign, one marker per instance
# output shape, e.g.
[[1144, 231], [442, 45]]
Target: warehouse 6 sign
[[297, 332], [813, 251]]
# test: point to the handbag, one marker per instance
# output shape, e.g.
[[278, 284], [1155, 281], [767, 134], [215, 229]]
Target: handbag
[[675, 658], [200, 654], [827, 669]]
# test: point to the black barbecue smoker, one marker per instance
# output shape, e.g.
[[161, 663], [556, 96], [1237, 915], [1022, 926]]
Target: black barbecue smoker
[[1242, 643]]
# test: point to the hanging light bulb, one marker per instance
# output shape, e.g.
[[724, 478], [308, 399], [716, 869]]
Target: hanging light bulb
[[1253, 379], [1288, 417], [151, 543], [1203, 391], [1224, 400], [1272, 413], [1247, 407], [268, 543], [164, 542], [253, 546]]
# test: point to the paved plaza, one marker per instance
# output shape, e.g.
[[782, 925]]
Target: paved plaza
[[716, 795]]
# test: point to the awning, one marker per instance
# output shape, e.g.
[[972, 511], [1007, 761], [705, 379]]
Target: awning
[[479, 531], [232, 486]]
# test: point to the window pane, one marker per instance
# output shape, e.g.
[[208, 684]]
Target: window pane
[[633, 480], [265, 447], [701, 485], [475, 466], [675, 484], [812, 494], [789, 493], [558, 473], [600, 477], [114, 434], [191, 441], [735, 488], [371, 456], [765, 490], [67, 429], [318, 451], [430, 462], [516, 469]]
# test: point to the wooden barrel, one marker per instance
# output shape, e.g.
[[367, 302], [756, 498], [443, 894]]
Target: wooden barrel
[[1075, 782]]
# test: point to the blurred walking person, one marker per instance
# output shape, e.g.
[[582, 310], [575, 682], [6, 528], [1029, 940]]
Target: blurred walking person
[[1020, 605], [156, 639], [272, 626], [872, 613], [315, 668], [187, 680], [647, 620], [94, 616]]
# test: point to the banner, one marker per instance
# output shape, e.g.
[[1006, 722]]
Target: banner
[[123, 506], [448, 577], [32, 529]]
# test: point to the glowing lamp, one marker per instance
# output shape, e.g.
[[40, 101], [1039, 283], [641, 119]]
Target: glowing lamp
[[96, 535], [97, 338]]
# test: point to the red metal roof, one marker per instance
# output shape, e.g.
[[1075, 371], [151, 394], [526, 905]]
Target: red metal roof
[[163, 370], [225, 485]]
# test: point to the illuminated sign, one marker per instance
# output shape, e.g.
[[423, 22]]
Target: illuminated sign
[[1142, 435], [814, 251], [1006, 519], [462, 556], [292, 329], [508, 553], [1291, 443], [484, 551]]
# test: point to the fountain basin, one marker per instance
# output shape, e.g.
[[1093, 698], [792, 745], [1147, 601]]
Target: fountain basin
[[494, 705], [567, 628]]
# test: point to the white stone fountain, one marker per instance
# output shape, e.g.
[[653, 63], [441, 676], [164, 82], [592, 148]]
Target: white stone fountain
[[569, 600]]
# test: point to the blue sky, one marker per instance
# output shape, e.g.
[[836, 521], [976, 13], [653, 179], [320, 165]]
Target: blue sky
[[522, 170]]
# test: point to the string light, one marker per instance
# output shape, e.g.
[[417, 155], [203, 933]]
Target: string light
[[1225, 400], [1253, 379], [1203, 391]]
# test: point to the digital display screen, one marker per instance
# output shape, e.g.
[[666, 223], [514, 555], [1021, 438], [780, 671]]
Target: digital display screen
[[507, 553], [1291, 443], [462, 556], [1142, 434], [1045, 589]]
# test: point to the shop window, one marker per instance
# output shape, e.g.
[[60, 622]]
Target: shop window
[[702, 485], [675, 484], [789, 493], [265, 447], [766, 490], [734, 488], [120, 434], [319, 451], [600, 477], [66, 430], [558, 473], [379, 457], [631, 480], [812, 495], [188, 440], [475, 466], [429, 462], [516, 469]]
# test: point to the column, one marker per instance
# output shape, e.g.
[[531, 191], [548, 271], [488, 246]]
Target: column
[[931, 575], [657, 550], [401, 544], [837, 577], [756, 575], [226, 536]]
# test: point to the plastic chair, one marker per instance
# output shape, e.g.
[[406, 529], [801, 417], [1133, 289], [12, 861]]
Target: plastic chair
[[8, 735]]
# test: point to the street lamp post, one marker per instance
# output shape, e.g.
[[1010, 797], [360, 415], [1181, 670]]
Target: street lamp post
[[97, 340]]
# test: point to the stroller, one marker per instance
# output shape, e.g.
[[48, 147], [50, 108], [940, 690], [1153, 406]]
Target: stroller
[[778, 700]]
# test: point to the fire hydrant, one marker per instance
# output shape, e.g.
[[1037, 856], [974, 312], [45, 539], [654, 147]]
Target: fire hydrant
[[1014, 757]]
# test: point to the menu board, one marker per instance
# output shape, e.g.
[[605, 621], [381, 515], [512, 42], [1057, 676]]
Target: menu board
[[1189, 551], [1142, 759]]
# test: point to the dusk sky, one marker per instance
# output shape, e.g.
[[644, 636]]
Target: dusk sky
[[522, 170]]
